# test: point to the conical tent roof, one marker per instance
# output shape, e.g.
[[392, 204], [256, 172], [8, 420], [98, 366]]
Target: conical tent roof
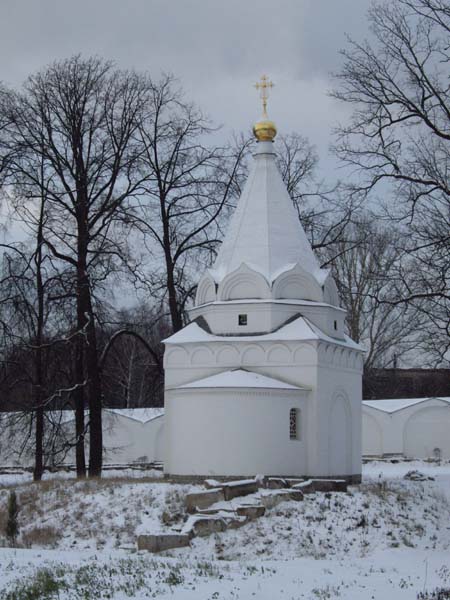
[[265, 232]]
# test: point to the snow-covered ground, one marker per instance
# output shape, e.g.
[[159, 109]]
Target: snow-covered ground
[[386, 539]]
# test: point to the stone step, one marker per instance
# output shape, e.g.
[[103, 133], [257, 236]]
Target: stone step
[[201, 525], [321, 485], [251, 511], [162, 541], [203, 499], [234, 489], [270, 500]]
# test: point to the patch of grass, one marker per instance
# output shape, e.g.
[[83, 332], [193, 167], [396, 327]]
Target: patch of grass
[[437, 594], [44, 585], [45, 536]]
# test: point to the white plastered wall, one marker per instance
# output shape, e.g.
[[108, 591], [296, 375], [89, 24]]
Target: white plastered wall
[[295, 362], [414, 431], [234, 432]]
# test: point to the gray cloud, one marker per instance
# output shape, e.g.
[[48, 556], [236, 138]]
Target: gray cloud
[[216, 48]]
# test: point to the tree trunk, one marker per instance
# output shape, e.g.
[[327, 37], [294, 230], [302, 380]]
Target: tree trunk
[[38, 379], [79, 407], [174, 307], [39, 443], [86, 325]]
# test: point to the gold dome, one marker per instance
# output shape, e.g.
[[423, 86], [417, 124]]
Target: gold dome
[[265, 131]]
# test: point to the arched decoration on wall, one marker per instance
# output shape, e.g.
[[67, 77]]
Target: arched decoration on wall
[[328, 355], [176, 356], [159, 451], [279, 354], [336, 356], [340, 435], [228, 356], [206, 290], [427, 430], [304, 354], [244, 284], [297, 284], [202, 356], [253, 355], [347, 358], [330, 292], [322, 352], [372, 437]]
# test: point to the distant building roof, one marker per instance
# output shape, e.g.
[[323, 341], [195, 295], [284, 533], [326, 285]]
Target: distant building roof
[[394, 404]]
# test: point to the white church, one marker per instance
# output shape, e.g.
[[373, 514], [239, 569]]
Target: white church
[[264, 379]]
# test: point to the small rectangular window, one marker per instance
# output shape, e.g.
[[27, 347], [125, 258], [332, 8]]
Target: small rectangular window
[[294, 423], [242, 320], [335, 325]]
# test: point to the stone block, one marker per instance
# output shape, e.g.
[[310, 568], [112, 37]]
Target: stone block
[[321, 485], [273, 499], [305, 486], [291, 481], [236, 522], [329, 485], [203, 499], [296, 495], [211, 484], [276, 483], [235, 489], [215, 511], [251, 512], [203, 527], [161, 542]]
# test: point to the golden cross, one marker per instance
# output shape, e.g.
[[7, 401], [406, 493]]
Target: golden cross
[[264, 85]]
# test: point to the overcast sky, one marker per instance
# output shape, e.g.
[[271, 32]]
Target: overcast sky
[[218, 49]]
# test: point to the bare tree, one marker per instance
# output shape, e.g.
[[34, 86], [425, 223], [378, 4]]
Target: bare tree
[[132, 359], [80, 117], [188, 187], [399, 133], [366, 275], [29, 338], [398, 142]]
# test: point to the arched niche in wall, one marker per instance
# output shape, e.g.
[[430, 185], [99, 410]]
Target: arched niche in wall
[[340, 435], [202, 356], [330, 292], [372, 437], [427, 430], [279, 354], [304, 354], [206, 290], [228, 356], [176, 356], [297, 284], [244, 284], [253, 355]]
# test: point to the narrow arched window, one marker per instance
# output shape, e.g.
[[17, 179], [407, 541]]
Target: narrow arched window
[[294, 424]]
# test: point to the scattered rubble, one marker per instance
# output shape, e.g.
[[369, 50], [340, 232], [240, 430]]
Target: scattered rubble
[[417, 476], [217, 508]]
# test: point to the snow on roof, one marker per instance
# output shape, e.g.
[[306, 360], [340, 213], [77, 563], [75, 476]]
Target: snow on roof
[[295, 302], [138, 414], [264, 231], [395, 404], [62, 417], [239, 378], [299, 329]]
